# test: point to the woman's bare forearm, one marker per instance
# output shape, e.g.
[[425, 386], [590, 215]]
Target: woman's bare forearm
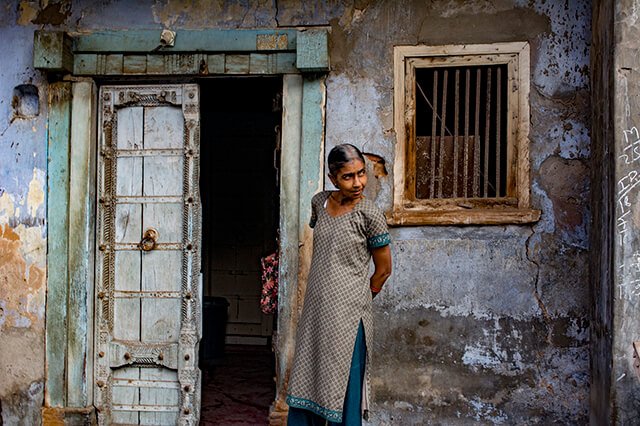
[[382, 262]]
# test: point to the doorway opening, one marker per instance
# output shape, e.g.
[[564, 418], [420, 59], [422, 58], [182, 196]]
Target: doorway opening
[[239, 171]]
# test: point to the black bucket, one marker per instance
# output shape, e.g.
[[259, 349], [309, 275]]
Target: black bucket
[[214, 327]]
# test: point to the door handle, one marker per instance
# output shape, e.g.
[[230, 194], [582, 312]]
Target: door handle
[[149, 240]]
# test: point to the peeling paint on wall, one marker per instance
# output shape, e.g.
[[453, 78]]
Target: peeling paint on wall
[[565, 66], [355, 115], [35, 196], [22, 224], [258, 14]]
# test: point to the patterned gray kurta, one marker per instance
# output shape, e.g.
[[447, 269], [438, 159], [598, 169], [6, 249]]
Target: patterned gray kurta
[[337, 298]]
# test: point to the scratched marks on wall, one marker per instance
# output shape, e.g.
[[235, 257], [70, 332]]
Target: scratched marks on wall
[[625, 187], [626, 198]]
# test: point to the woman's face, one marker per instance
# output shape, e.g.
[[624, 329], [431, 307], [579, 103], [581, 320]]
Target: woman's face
[[350, 179]]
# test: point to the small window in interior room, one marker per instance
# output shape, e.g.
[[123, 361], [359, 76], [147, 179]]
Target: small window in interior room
[[462, 124]]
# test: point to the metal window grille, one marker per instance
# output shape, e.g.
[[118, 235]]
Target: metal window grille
[[461, 132]]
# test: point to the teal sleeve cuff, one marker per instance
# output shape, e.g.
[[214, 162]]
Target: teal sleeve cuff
[[379, 241]]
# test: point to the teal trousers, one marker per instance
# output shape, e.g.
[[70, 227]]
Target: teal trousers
[[351, 412]]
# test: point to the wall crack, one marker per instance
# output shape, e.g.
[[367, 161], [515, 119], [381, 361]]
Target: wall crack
[[536, 291]]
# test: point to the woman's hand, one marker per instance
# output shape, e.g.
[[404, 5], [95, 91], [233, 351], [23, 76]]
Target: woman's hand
[[382, 262]]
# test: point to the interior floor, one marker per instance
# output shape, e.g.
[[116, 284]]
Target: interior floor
[[240, 389]]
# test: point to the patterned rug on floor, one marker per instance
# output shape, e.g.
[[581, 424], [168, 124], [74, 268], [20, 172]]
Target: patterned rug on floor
[[239, 388]]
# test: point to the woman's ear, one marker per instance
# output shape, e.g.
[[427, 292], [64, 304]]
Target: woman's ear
[[332, 179]]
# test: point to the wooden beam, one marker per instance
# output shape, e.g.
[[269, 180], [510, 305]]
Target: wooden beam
[[81, 245], [90, 64], [313, 50], [464, 217], [57, 242], [187, 41], [289, 216], [52, 51], [312, 149]]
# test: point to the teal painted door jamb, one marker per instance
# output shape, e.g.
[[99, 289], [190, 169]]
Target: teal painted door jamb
[[59, 133]]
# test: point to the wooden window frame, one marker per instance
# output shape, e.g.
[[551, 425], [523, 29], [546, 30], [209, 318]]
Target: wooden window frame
[[512, 209]]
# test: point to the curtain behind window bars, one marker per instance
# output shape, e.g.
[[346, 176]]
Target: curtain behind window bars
[[461, 145]]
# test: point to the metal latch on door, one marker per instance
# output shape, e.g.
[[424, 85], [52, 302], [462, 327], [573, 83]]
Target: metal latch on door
[[149, 240]]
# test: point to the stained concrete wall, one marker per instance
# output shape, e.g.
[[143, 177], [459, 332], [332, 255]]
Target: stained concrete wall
[[483, 324], [617, 310]]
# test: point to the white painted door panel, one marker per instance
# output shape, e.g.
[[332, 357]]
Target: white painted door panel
[[148, 302]]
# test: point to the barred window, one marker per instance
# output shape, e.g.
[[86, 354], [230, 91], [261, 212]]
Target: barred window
[[462, 120]]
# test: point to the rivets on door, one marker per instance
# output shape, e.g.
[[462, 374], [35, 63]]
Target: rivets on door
[[187, 357], [100, 383], [101, 354], [127, 356], [190, 200], [101, 295], [186, 411], [189, 246], [190, 153], [187, 388], [102, 247], [187, 296]]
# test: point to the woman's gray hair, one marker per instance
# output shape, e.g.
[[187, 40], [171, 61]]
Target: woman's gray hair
[[341, 155]]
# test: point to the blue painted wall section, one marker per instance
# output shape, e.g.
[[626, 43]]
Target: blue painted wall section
[[23, 162]]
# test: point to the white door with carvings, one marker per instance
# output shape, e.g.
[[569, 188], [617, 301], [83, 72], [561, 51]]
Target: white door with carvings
[[148, 289]]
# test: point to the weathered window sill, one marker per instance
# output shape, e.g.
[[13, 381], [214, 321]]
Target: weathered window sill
[[463, 217]]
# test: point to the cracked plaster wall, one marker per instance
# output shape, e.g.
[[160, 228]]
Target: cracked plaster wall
[[22, 233], [477, 323], [490, 323]]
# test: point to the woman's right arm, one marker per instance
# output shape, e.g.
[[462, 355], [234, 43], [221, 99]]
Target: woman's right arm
[[382, 262]]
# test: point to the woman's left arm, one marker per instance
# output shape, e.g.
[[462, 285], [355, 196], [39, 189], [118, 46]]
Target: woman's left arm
[[382, 262]]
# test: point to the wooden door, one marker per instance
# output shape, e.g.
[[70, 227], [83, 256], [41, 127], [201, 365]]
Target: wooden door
[[148, 289]]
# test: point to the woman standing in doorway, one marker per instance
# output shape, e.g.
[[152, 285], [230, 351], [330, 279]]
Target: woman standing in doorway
[[335, 329]]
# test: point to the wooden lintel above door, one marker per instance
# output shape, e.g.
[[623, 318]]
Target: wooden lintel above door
[[194, 52]]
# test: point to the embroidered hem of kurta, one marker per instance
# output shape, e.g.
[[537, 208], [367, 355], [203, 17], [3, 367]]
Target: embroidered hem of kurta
[[305, 404], [379, 240]]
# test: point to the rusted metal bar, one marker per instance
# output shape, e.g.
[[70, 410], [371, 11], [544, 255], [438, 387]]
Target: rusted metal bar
[[444, 120], [434, 123], [498, 95], [465, 172], [486, 135], [476, 142], [455, 134]]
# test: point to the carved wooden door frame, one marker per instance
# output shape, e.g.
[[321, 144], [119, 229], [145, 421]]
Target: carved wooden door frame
[[300, 57]]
